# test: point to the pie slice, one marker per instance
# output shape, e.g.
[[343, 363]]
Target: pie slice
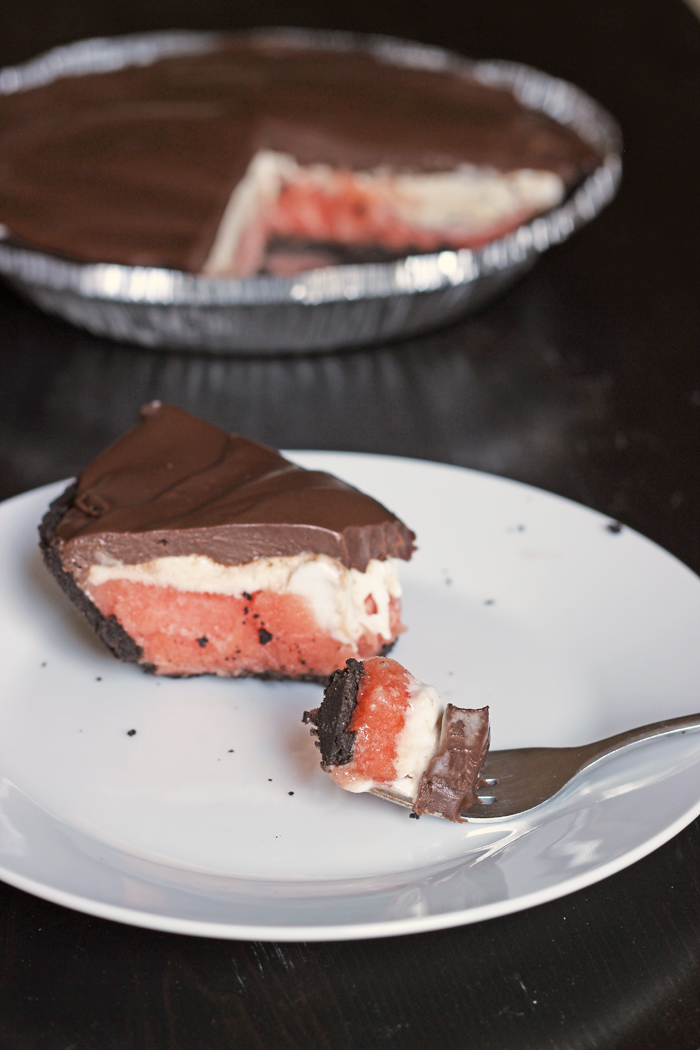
[[193, 551]]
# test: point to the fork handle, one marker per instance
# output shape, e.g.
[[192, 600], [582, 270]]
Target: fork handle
[[592, 752]]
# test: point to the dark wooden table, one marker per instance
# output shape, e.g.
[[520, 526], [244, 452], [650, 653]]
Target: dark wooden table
[[585, 380]]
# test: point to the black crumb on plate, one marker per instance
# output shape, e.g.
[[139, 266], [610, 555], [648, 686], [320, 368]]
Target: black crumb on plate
[[98, 679], [614, 526], [490, 601], [131, 732], [290, 792], [44, 664], [230, 751]]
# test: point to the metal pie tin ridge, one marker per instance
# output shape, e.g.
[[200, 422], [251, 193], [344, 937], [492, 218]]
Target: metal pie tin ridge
[[327, 308]]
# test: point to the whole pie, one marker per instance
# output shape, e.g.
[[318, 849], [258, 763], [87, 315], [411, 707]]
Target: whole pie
[[264, 156]]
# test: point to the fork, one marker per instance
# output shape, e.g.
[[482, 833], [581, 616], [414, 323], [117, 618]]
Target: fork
[[513, 782]]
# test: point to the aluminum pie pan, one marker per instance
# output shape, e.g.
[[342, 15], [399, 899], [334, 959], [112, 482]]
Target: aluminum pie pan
[[317, 310]]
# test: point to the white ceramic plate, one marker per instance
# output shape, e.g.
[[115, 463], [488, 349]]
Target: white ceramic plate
[[214, 818]]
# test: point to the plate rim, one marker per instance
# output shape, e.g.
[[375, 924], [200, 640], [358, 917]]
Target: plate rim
[[349, 932]]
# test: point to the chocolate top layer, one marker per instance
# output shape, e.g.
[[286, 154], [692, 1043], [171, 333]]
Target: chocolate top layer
[[136, 166], [175, 485], [447, 785]]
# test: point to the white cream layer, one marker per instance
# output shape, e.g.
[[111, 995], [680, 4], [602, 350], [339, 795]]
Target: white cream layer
[[338, 596], [418, 738], [473, 198], [466, 200], [415, 743], [258, 189]]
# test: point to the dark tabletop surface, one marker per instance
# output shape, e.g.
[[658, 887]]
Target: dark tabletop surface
[[585, 380]]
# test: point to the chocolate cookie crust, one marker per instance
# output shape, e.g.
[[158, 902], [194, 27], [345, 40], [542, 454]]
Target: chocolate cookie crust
[[332, 718], [107, 628]]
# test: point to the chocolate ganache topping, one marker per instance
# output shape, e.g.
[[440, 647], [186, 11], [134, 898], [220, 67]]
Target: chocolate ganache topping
[[176, 485], [136, 166], [448, 785]]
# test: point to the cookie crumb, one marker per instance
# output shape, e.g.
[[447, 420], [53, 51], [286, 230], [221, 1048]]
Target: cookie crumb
[[131, 732]]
